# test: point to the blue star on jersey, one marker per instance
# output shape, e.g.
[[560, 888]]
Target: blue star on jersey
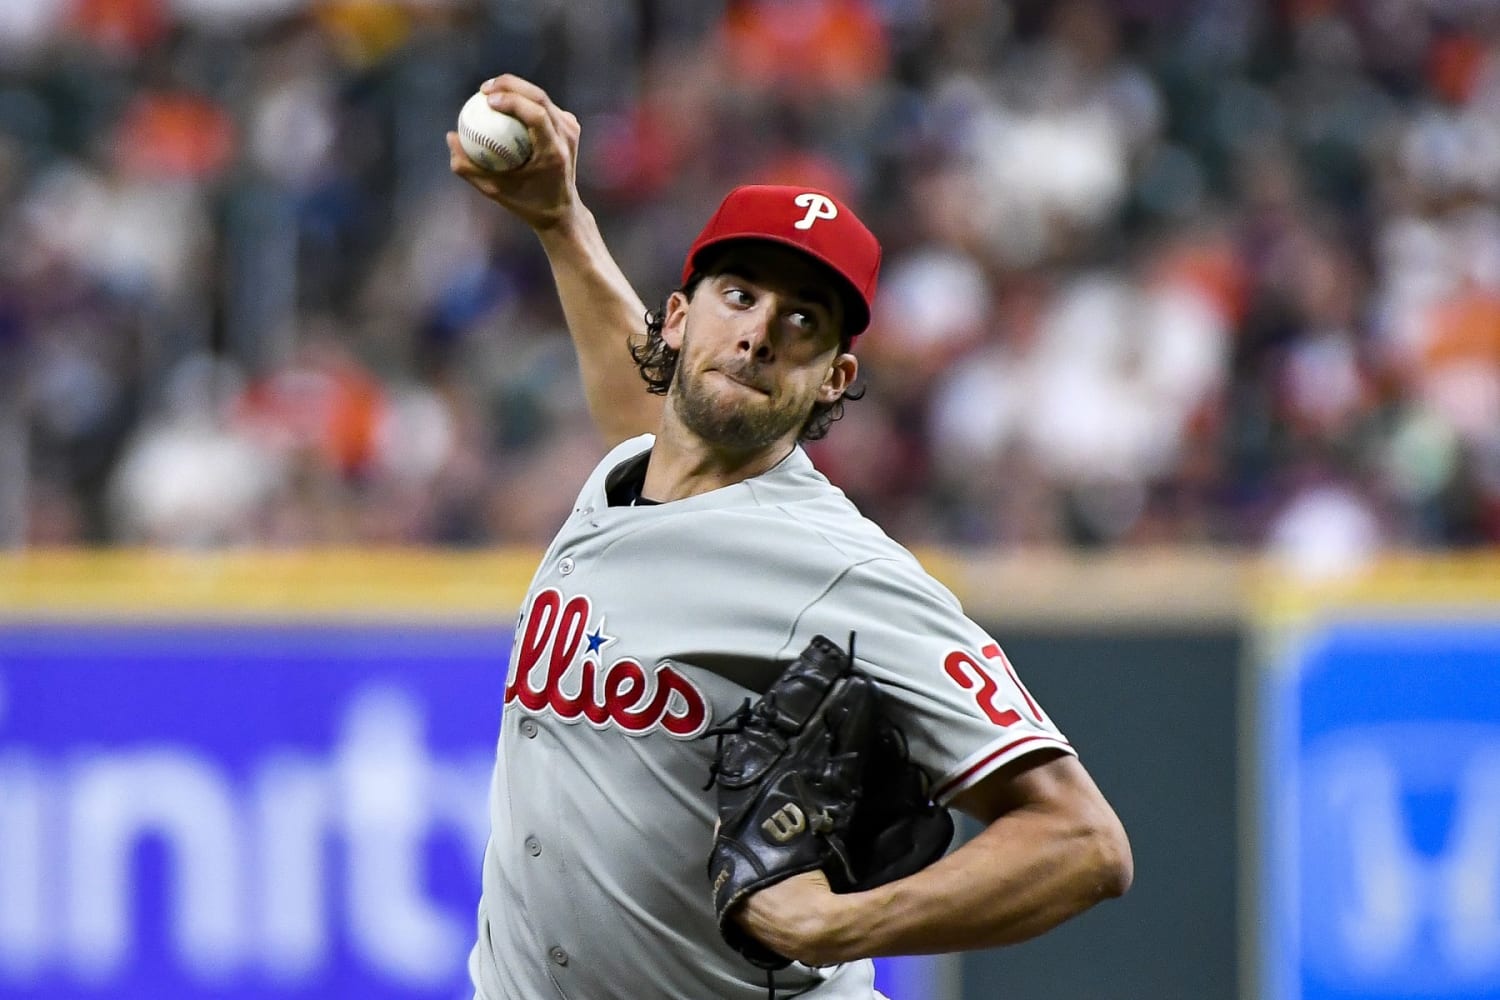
[[598, 639]]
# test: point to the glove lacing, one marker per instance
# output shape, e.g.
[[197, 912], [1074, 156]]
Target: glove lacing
[[736, 724]]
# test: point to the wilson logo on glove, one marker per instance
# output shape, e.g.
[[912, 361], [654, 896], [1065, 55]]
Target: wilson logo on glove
[[785, 823]]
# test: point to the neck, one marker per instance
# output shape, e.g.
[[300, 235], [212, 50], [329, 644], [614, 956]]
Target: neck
[[684, 465]]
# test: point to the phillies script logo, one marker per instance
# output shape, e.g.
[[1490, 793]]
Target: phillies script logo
[[624, 694]]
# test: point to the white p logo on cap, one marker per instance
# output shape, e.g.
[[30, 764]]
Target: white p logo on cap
[[818, 207]]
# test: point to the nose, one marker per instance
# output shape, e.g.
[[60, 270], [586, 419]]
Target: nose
[[756, 336]]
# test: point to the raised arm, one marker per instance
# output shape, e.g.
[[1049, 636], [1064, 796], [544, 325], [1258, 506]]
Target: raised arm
[[601, 309], [1051, 849]]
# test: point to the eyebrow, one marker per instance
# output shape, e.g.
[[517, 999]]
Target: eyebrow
[[815, 294]]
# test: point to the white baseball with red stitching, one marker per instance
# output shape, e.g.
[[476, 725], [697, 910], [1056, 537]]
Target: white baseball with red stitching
[[492, 139]]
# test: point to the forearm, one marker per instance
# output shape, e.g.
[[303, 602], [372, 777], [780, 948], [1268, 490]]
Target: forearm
[[1021, 876], [602, 311], [1028, 871]]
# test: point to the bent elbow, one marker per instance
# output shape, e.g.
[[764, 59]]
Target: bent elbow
[[1115, 863]]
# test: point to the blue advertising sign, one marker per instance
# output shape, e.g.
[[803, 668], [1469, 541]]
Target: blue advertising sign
[[250, 811], [238, 812], [1382, 791]]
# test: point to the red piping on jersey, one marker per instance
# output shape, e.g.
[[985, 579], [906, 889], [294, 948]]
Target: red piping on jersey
[[985, 761]]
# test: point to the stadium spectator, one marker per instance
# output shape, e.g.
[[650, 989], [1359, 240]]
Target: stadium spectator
[[1165, 271]]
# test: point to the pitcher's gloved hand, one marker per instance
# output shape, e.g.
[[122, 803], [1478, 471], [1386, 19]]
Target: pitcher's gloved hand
[[812, 777]]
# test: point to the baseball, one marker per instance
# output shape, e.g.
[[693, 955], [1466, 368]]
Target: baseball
[[492, 139]]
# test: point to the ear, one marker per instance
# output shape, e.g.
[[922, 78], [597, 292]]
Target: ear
[[674, 323], [840, 378]]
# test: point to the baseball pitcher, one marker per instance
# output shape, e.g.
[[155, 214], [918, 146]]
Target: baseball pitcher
[[736, 712]]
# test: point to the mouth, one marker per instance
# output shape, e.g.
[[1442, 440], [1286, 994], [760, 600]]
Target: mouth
[[746, 381]]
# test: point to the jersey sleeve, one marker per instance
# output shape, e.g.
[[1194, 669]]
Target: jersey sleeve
[[946, 682]]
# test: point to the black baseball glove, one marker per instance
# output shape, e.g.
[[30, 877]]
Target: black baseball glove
[[813, 776]]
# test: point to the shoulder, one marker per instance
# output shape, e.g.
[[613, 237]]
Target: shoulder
[[626, 450], [616, 463], [819, 512], [619, 461]]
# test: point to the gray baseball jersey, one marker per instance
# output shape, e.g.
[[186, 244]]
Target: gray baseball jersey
[[645, 625]]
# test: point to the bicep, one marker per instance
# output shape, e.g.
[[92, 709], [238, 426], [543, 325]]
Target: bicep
[[1047, 801], [620, 408], [603, 312]]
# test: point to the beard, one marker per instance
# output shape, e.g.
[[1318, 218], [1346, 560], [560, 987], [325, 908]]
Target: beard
[[735, 424]]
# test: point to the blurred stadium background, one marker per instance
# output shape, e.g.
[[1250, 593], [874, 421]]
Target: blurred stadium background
[[1185, 375]]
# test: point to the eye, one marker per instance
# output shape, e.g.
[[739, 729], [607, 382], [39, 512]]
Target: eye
[[803, 321], [737, 296]]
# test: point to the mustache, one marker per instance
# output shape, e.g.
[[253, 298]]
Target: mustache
[[748, 372]]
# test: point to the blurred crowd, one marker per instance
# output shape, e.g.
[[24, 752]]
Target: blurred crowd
[[1157, 271]]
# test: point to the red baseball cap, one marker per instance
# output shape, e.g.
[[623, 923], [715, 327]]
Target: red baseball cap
[[806, 219]]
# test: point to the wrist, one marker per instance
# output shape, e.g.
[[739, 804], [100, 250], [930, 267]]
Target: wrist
[[841, 938], [570, 228], [860, 925], [804, 920], [833, 930]]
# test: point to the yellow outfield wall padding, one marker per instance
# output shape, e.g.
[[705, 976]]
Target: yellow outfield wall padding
[[1463, 584], [484, 585], [1054, 589]]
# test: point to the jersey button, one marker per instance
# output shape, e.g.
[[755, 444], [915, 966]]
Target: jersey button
[[559, 956], [566, 566], [528, 729], [533, 847]]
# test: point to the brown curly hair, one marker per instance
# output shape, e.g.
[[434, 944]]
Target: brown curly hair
[[658, 365]]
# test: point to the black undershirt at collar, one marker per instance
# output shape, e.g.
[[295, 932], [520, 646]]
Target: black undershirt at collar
[[626, 492]]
